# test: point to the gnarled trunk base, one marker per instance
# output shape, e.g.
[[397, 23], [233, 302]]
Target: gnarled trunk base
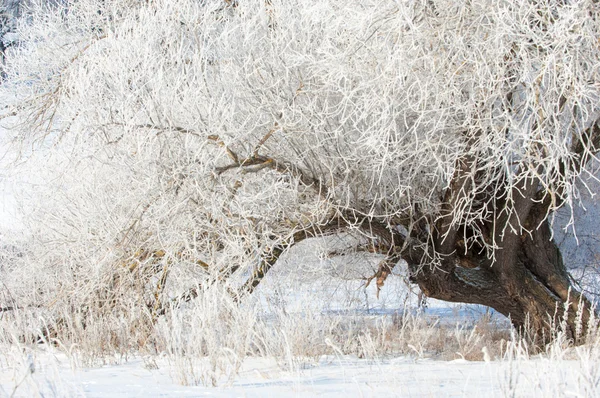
[[533, 289]]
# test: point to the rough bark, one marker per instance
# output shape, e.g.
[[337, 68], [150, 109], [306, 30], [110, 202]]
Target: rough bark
[[530, 285], [526, 279]]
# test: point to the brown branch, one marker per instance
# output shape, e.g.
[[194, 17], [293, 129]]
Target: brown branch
[[383, 271], [264, 139], [247, 165], [458, 190], [232, 155], [271, 258], [150, 126], [258, 163], [10, 308]]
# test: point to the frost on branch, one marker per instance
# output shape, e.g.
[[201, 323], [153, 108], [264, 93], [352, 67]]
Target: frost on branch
[[221, 133]]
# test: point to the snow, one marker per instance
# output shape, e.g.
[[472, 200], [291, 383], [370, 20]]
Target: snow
[[328, 376]]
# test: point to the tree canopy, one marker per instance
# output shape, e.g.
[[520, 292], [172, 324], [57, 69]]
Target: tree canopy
[[204, 138]]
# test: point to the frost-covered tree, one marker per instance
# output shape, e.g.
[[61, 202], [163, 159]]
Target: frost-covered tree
[[199, 140]]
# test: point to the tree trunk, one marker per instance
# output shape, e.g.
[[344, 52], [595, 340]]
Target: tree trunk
[[533, 295], [526, 279]]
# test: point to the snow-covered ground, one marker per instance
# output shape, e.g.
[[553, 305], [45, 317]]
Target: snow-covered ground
[[331, 376], [44, 371]]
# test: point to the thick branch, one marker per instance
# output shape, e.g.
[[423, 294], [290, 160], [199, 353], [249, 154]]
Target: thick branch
[[457, 192]]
